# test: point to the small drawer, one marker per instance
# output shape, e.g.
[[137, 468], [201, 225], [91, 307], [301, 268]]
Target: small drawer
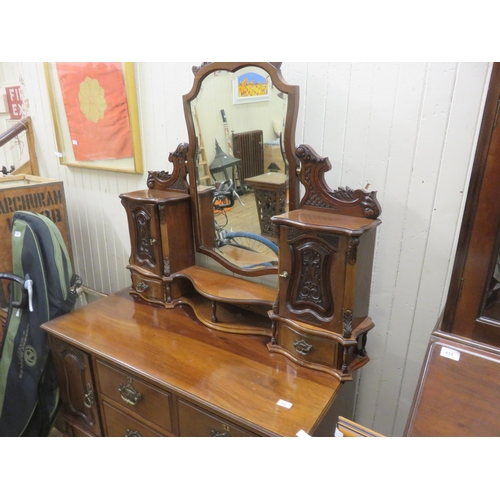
[[118, 424], [308, 347], [143, 399], [148, 288], [194, 422]]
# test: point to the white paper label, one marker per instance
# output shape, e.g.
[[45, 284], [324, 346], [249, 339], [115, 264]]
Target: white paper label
[[17, 234], [446, 352], [284, 403], [59, 155], [302, 434], [75, 142]]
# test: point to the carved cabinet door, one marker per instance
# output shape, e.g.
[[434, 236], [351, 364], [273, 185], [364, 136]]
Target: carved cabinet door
[[312, 276], [145, 237], [77, 389]]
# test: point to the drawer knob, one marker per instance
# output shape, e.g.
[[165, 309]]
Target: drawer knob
[[218, 434], [302, 347], [88, 399], [142, 287], [284, 274], [129, 394], [133, 434]]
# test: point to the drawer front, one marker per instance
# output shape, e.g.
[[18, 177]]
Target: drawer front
[[195, 422], [148, 288], [139, 397], [308, 347], [118, 424]]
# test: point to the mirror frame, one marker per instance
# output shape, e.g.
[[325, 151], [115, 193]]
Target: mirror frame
[[292, 91]]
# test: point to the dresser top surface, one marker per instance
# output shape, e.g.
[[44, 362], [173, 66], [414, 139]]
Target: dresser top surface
[[169, 347]]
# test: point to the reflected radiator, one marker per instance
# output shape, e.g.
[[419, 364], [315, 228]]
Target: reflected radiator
[[249, 148]]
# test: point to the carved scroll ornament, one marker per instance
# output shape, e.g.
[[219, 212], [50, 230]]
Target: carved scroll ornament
[[346, 201], [177, 179]]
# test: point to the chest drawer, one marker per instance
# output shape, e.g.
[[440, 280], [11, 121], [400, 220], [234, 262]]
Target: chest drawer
[[308, 347], [195, 422], [118, 424], [139, 397], [150, 289]]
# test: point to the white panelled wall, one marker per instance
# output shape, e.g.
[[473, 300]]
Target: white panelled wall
[[406, 130]]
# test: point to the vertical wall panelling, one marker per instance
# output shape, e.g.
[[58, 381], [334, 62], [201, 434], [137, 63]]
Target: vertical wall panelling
[[456, 161], [407, 129], [431, 136], [337, 102], [393, 196]]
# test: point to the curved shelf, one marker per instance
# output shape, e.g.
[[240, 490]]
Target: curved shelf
[[228, 304], [228, 289]]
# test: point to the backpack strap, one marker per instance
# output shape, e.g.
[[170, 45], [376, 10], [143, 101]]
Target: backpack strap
[[68, 304]]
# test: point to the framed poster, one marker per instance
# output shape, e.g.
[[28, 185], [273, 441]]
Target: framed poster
[[94, 106]]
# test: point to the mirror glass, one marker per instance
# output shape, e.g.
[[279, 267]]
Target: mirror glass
[[241, 121]]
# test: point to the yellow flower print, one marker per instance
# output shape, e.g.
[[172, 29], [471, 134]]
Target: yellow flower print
[[92, 101]]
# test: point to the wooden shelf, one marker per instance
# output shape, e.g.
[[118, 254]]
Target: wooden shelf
[[228, 304], [230, 318], [228, 289]]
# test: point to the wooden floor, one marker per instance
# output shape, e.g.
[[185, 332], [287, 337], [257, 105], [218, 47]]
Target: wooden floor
[[242, 216]]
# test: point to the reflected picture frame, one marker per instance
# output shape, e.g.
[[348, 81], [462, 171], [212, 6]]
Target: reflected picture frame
[[251, 87], [81, 145]]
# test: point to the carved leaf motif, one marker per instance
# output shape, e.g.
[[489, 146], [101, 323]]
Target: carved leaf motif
[[359, 203]]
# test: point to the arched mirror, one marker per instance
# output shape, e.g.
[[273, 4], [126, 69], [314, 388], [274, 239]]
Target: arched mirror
[[241, 120]]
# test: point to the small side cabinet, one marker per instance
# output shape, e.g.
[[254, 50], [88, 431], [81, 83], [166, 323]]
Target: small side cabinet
[[161, 240], [160, 245], [326, 250]]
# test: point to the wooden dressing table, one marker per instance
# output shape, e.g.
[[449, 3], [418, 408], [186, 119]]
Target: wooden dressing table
[[189, 351], [180, 377]]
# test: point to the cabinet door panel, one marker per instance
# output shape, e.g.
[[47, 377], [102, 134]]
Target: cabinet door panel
[[76, 385], [146, 252], [312, 290]]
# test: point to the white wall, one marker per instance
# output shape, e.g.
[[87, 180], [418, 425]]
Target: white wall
[[407, 130]]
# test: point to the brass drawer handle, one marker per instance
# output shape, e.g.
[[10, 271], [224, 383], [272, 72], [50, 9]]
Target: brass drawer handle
[[133, 434], [88, 399], [284, 274], [302, 347], [217, 434], [142, 287], [129, 394]]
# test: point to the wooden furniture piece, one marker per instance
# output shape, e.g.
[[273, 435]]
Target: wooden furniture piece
[[30, 167], [195, 352], [270, 197], [129, 368], [458, 391], [161, 244], [348, 428], [325, 265]]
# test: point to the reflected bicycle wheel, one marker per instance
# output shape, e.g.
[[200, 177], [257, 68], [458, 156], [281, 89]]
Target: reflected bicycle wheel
[[252, 242]]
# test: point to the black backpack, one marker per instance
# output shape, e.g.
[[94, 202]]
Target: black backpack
[[43, 287]]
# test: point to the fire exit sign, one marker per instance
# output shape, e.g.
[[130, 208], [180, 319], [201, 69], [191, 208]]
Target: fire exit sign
[[15, 102]]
